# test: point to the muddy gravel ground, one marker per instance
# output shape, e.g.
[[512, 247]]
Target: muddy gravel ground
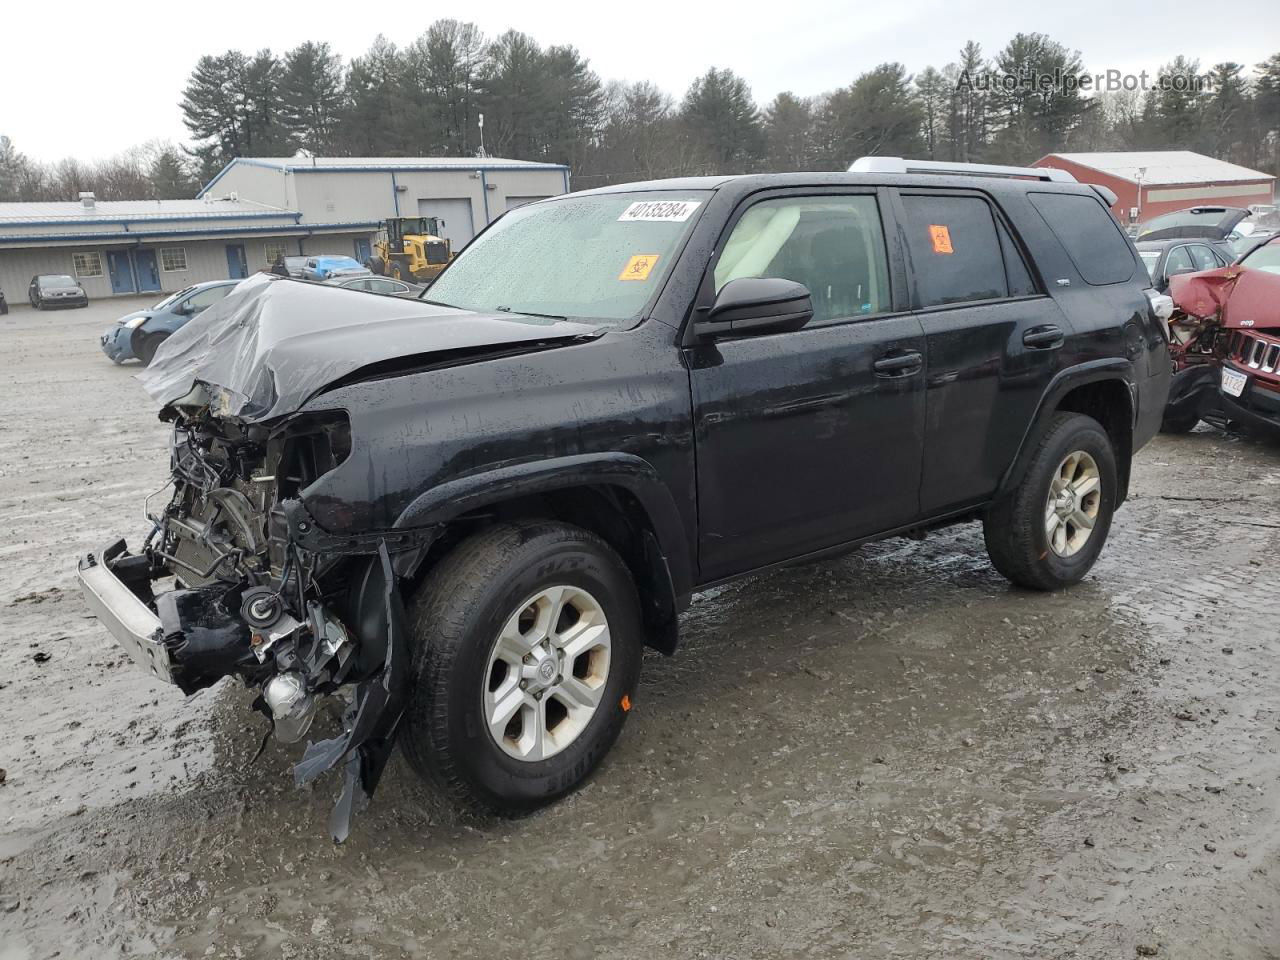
[[892, 754]]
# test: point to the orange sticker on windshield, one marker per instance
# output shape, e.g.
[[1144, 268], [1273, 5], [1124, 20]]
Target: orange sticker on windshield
[[638, 267], [941, 238]]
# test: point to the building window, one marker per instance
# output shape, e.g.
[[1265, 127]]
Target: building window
[[274, 250], [87, 264], [173, 259]]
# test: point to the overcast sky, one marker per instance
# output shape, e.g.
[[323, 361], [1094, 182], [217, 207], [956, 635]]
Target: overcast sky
[[91, 79]]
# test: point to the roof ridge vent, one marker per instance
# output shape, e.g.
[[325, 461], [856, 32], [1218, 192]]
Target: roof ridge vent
[[88, 201]]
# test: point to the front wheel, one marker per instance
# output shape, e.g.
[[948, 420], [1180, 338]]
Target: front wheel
[[1184, 423], [1047, 533], [528, 643], [400, 271], [148, 347]]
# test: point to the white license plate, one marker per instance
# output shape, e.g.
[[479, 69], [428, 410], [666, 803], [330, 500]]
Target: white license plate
[[1233, 383]]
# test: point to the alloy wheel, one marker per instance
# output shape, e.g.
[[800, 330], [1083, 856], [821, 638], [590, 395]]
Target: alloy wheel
[[546, 673], [1071, 508]]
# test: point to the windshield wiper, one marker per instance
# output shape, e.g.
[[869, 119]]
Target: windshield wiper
[[530, 313]]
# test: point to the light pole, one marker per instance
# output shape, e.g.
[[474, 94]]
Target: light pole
[[1142, 172], [480, 124]]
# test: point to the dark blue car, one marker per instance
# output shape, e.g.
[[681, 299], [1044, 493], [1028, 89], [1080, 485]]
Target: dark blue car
[[139, 335]]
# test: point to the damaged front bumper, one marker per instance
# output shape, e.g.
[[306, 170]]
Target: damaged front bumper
[[123, 612], [193, 636]]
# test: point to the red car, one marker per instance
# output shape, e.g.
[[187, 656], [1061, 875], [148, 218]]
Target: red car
[[1225, 341]]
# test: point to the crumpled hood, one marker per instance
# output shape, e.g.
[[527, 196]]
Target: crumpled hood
[[1237, 296], [273, 343]]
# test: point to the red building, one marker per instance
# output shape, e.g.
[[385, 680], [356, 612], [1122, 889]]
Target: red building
[[1152, 182]]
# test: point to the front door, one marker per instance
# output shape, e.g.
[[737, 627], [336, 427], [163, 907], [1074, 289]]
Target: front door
[[147, 272], [363, 252], [121, 271], [994, 342], [237, 264], [812, 438]]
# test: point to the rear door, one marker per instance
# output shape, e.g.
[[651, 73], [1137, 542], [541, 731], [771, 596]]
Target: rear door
[[809, 438], [994, 341]]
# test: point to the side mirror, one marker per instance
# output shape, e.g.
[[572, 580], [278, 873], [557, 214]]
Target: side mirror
[[751, 305]]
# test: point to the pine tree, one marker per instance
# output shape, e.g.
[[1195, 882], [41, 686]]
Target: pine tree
[[788, 133], [878, 114], [721, 120], [311, 96]]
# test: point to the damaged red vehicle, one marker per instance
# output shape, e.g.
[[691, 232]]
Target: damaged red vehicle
[[1225, 341]]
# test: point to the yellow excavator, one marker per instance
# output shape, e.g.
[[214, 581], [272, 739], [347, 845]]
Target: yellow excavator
[[411, 249]]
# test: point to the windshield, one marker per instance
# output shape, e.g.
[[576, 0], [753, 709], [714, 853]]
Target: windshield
[[596, 257], [1266, 257], [1150, 258], [58, 282]]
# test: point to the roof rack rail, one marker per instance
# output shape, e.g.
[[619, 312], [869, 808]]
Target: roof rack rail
[[899, 165]]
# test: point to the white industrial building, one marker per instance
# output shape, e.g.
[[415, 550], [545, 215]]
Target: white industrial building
[[254, 210]]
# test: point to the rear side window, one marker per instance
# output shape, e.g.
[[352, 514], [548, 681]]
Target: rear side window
[[955, 249], [1091, 237]]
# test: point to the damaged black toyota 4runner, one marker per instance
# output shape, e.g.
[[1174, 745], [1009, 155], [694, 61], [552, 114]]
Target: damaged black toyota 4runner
[[468, 515]]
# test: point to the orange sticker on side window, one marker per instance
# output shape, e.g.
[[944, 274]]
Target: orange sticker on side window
[[941, 238], [638, 267]]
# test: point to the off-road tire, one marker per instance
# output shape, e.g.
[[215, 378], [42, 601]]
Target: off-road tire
[[376, 265], [1014, 528], [149, 345], [455, 617], [399, 270]]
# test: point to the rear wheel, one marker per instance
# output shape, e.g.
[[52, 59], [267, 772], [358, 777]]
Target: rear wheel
[[528, 652], [1047, 533], [150, 344]]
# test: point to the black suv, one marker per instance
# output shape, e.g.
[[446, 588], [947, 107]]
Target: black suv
[[475, 510]]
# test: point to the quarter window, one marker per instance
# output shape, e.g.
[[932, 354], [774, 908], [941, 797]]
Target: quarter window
[[955, 250], [833, 245], [1090, 234], [87, 264], [173, 259]]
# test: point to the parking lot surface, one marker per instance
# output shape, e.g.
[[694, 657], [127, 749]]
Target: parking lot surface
[[891, 754]]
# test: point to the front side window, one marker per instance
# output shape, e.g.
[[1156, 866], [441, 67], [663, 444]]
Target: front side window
[[1091, 236], [207, 298], [1203, 257], [87, 264], [955, 250], [599, 257], [173, 259], [833, 245], [1179, 262]]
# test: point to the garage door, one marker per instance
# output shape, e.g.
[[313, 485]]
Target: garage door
[[513, 202], [456, 214]]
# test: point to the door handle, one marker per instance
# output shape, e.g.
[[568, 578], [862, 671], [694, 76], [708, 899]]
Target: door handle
[[899, 364], [1048, 337]]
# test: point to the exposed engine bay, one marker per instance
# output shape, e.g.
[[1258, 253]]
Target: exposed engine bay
[[248, 600]]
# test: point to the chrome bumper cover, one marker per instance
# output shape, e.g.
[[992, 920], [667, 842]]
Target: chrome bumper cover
[[136, 628]]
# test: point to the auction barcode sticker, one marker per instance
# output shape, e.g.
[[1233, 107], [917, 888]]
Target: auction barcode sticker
[[659, 210]]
